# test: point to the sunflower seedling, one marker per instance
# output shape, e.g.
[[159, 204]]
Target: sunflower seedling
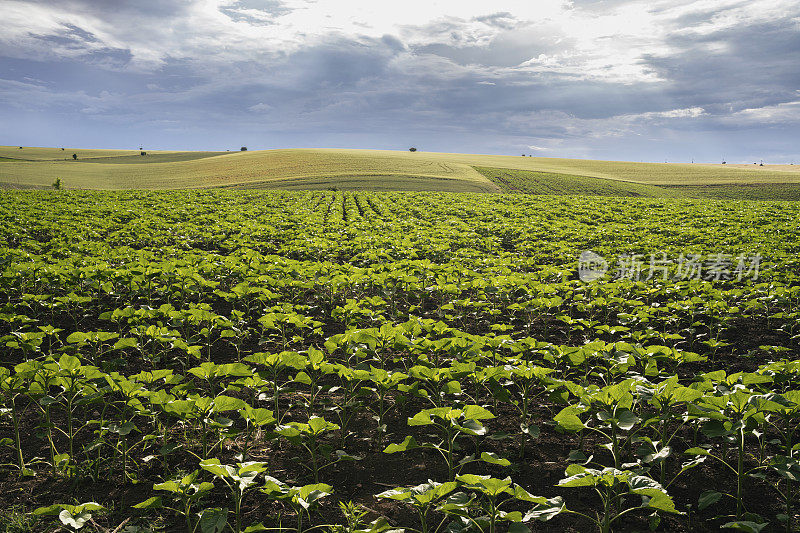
[[451, 424], [238, 478], [186, 491]]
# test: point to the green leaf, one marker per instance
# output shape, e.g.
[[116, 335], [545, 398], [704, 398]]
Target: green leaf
[[471, 427], [626, 420], [486, 484], [455, 502], [220, 470], [716, 428], [150, 503], [125, 343], [169, 486], [69, 362], [408, 443], [258, 416], [654, 521], [523, 495], [288, 431], [658, 500], [318, 424], [77, 337], [452, 387], [568, 420], [226, 403], [234, 370], [179, 407], [707, 498], [532, 430], [49, 510], [546, 510], [121, 429], [744, 525], [213, 520], [88, 506], [697, 451], [422, 418], [476, 412], [307, 495], [493, 458], [303, 378], [583, 479]]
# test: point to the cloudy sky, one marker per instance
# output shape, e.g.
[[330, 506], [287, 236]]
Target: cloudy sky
[[648, 80]]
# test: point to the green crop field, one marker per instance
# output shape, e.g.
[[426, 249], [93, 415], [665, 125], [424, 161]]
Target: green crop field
[[388, 170], [248, 360], [538, 182]]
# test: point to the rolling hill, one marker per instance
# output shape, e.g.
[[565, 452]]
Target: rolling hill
[[387, 170]]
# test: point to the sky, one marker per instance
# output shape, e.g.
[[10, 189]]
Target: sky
[[654, 80]]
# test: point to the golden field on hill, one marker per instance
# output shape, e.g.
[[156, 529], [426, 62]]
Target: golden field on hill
[[345, 169]]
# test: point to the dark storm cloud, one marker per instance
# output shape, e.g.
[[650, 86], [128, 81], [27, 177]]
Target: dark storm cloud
[[495, 82], [733, 69], [69, 36], [508, 49], [339, 63]]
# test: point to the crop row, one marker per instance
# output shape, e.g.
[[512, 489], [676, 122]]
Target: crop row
[[246, 360]]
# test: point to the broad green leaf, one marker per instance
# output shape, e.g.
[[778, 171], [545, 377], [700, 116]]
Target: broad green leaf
[[746, 526], [76, 338], [150, 503], [213, 520], [707, 498], [568, 420], [697, 451], [626, 419], [546, 510], [69, 362], [493, 458], [476, 412], [407, 444], [227, 403]]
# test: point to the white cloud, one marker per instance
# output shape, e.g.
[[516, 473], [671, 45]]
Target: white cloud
[[691, 112], [260, 107], [788, 112], [224, 30]]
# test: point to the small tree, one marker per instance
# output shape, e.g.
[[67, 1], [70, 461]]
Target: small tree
[[75, 157], [243, 149], [412, 149], [57, 184]]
